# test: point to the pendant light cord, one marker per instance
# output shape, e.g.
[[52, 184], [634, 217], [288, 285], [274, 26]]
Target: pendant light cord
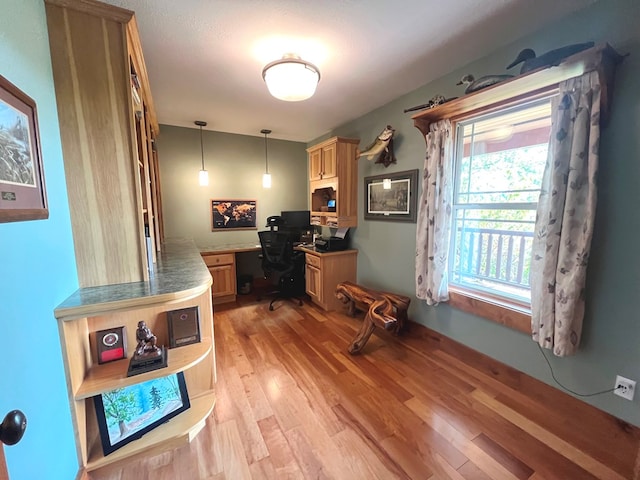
[[266, 157], [201, 148]]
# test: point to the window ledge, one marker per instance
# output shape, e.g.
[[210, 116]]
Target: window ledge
[[505, 313]]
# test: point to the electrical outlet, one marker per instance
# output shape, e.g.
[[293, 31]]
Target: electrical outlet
[[625, 388]]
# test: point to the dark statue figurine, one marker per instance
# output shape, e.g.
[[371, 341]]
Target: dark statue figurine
[[148, 355], [146, 342]]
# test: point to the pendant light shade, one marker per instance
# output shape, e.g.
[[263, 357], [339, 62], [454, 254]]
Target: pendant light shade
[[291, 79], [203, 176], [266, 177]]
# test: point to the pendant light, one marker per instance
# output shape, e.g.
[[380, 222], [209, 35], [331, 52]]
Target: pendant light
[[386, 183], [291, 78], [203, 177], [266, 178]]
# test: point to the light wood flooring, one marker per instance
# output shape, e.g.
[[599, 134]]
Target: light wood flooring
[[292, 403]]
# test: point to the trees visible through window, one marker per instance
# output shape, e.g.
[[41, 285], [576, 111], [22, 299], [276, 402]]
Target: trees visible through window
[[500, 160]]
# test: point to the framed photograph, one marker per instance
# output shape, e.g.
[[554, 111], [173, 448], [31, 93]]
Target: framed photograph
[[393, 196], [233, 215], [127, 413], [22, 189], [111, 344], [184, 326]]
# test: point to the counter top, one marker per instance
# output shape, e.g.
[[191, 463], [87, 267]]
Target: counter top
[[230, 248], [179, 273]]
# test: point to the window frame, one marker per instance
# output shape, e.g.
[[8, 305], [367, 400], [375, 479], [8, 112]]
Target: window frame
[[458, 142], [530, 86]]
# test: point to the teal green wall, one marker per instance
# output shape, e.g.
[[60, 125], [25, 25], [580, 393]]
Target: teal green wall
[[235, 164], [611, 340], [37, 270]]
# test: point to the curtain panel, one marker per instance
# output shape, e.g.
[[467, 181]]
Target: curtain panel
[[434, 216], [565, 217]]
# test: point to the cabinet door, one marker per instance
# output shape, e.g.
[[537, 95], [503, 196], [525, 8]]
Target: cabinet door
[[315, 164], [223, 280], [329, 162], [313, 282]]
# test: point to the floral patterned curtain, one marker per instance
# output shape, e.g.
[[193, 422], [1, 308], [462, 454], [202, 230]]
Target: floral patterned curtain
[[565, 216], [434, 216]]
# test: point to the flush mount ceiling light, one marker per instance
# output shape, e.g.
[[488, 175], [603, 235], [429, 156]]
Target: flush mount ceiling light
[[291, 79], [203, 177], [266, 178]]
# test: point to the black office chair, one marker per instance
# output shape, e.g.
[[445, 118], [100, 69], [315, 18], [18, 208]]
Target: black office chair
[[280, 262]]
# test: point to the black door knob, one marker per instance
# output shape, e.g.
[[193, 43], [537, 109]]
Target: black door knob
[[12, 427]]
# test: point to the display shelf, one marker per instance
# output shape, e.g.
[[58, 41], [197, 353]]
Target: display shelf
[[178, 431], [109, 376]]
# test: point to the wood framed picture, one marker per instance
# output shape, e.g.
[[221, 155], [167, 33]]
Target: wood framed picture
[[393, 196], [233, 215], [183, 326], [22, 189]]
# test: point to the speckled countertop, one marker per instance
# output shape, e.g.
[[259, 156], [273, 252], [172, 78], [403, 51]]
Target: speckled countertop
[[179, 272]]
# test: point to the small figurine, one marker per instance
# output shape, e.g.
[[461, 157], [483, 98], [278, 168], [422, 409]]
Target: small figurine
[[146, 341], [147, 356], [474, 85], [551, 58]]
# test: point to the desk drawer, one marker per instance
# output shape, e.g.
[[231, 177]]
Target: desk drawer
[[222, 259], [312, 260]]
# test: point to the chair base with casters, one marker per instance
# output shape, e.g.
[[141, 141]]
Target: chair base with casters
[[281, 262]]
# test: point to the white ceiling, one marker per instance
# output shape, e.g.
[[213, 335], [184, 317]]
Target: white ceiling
[[205, 57]]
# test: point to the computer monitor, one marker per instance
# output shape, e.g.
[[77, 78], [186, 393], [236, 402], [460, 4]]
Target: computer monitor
[[296, 219], [295, 223]]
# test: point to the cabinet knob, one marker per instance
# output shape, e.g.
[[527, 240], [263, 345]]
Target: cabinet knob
[[12, 427]]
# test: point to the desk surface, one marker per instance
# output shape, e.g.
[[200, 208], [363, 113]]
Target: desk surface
[[255, 247]]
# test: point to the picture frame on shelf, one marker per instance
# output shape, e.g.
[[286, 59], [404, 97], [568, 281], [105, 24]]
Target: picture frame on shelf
[[126, 414], [233, 215], [392, 196], [22, 187], [183, 326], [111, 344]]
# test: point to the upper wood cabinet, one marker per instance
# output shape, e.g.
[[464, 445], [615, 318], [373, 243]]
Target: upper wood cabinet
[[322, 162], [333, 173], [108, 127]]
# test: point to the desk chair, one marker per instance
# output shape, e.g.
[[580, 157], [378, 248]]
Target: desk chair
[[281, 262]]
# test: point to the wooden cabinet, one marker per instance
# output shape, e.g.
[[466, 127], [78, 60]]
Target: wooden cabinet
[[333, 173], [182, 281], [322, 162], [108, 128], [324, 271], [223, 271]]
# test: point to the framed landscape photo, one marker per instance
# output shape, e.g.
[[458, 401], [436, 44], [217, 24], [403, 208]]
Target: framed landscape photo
[[233, 215], [393, 196], [22, 189], [126, 414]]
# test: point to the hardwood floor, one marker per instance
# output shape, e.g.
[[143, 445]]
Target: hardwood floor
[[292, 403]]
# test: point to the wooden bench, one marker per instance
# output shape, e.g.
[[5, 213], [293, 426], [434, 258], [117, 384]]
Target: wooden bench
[[383, 309]]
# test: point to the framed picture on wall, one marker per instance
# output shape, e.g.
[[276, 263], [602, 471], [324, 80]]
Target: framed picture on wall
[[233, 215], [22, 190], [393, 196]]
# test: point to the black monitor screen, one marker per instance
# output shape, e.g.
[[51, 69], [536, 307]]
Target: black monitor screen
[[296, 219]]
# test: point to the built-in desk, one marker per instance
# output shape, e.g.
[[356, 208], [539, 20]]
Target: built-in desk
[[323, 271]]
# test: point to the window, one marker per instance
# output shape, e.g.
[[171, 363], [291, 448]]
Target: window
[[499, 163]]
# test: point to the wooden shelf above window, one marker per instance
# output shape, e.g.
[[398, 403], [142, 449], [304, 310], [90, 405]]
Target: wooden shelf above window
[[537, 83]]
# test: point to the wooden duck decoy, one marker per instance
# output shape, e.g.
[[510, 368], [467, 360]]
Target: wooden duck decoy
[[551, 58], [474, 85]]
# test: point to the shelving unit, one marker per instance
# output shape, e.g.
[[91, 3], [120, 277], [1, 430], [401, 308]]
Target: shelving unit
[[108, 130], [181, 280], [333, 174]]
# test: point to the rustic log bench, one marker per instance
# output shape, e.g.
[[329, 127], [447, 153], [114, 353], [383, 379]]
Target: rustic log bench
[[383, 309]]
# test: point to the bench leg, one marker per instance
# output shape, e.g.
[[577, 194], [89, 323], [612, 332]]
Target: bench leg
[[362, 336]]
